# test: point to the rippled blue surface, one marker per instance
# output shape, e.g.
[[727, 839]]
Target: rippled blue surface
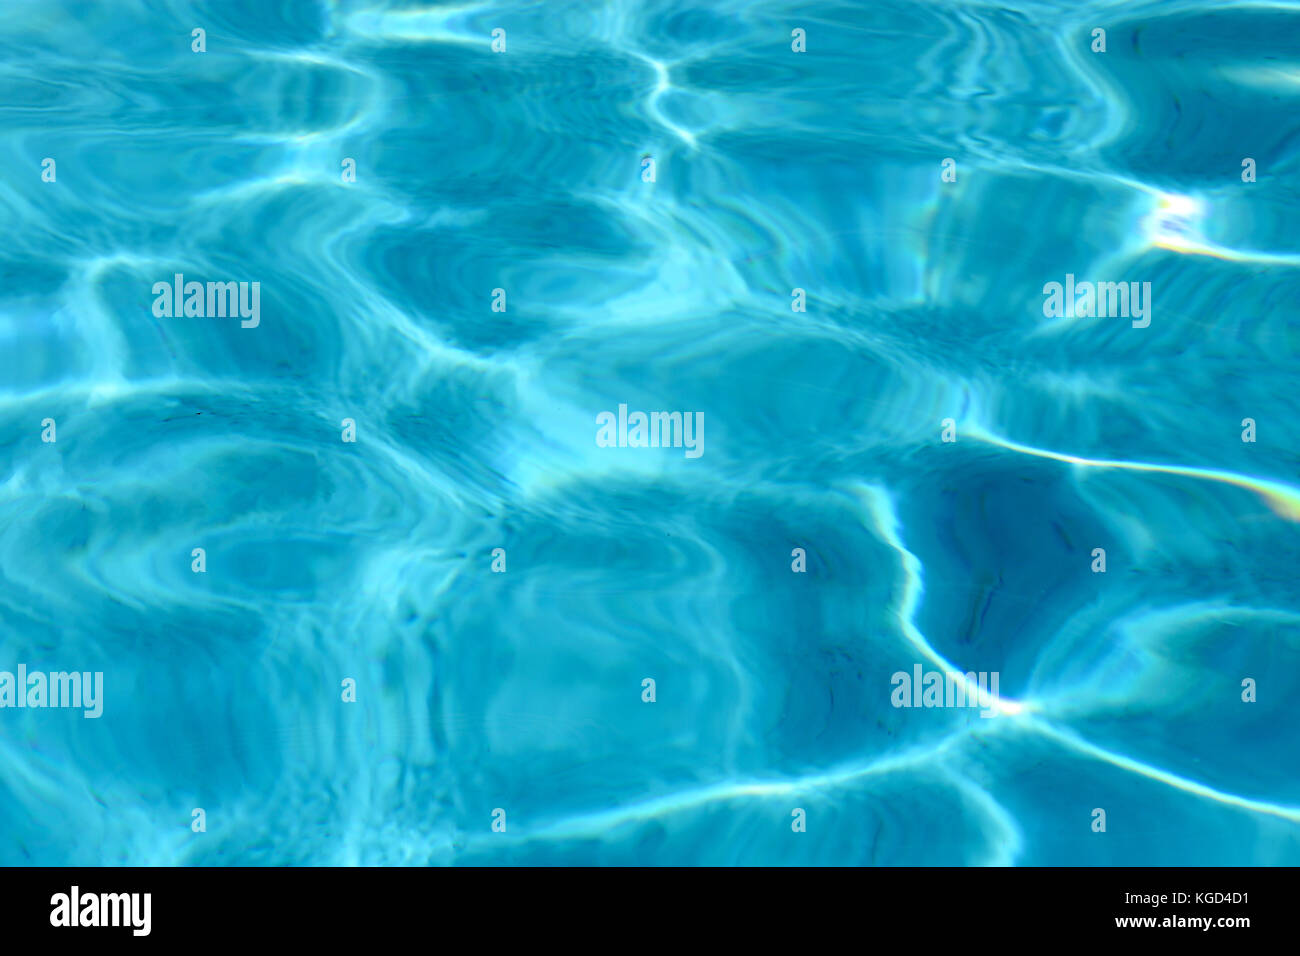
[[476, 430]]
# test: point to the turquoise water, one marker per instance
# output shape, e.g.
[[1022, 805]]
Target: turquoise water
[[521, 690]]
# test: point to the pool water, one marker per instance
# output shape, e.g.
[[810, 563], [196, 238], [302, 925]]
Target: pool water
[[637, 402]]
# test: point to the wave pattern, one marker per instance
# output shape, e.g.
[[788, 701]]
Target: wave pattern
[[521, 690]]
